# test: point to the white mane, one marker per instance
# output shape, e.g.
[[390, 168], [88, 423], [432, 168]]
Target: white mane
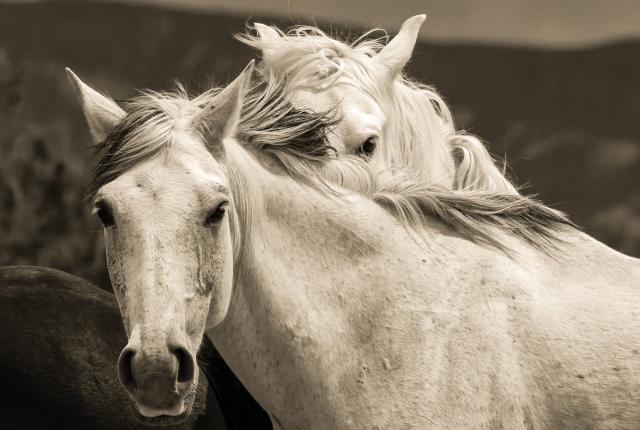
[[297, 140], [421, 131]]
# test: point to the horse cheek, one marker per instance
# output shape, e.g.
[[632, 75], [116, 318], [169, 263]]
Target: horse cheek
[[116, 275]]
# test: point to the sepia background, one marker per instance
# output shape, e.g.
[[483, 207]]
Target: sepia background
[[552, 87]]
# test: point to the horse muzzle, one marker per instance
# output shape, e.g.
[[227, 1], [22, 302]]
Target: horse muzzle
[[161, 382]]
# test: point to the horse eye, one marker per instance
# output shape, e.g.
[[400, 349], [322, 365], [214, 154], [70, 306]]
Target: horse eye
[[367, 147], [216, 215], [105, 215]]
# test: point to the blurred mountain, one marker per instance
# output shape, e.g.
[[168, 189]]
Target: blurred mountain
[[566, 121]]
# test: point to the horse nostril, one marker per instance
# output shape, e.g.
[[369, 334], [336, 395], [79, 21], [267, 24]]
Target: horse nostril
[[185, 364], [125, 372]]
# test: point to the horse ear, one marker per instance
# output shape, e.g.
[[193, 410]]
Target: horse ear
[[268, 36], [219, 119], [396, 54], [102, 113]]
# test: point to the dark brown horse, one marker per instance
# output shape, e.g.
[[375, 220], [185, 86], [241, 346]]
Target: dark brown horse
[[60, 337]]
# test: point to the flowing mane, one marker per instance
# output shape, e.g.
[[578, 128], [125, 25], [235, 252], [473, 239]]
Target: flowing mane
[[152, 119], [421, 127], [297, 139]]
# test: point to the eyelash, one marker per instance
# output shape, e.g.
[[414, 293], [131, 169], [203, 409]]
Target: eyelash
[[104, 213], [216, 215], [367, 147]]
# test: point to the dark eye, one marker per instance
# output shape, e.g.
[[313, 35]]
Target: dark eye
[[104, 213], [216, 215], [367, 147]]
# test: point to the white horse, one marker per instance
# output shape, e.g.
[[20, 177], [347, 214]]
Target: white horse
[[396, 122], [334, 309]]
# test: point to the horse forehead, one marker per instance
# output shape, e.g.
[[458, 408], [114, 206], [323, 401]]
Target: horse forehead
[[362, 111], [361, 114], [186, 147], [183, 176], [189, 156], [346, 96], [192, 172], [316, 100]]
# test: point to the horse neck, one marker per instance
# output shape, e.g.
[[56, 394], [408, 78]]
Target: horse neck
[[439, 151], [317, 282], [332, 294], [417, 134], [335, 235]]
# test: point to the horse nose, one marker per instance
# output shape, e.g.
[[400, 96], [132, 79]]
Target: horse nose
[[185, 364], [125, 373], [173, 368]]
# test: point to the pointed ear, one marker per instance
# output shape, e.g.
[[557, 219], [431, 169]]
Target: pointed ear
[[101, 113], [220, 118], [396, 54], [268, 37]]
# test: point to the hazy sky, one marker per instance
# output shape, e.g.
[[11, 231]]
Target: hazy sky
[[537, 22], [523, 22]]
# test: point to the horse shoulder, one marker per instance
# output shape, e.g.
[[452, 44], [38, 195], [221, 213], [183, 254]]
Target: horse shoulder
[[578, 336]]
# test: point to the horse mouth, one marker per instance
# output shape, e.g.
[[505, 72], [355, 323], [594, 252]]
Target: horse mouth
[[169, 420], [163, 420]]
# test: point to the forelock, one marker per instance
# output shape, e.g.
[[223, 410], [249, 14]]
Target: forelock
[[268, 122], [311, 58]]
